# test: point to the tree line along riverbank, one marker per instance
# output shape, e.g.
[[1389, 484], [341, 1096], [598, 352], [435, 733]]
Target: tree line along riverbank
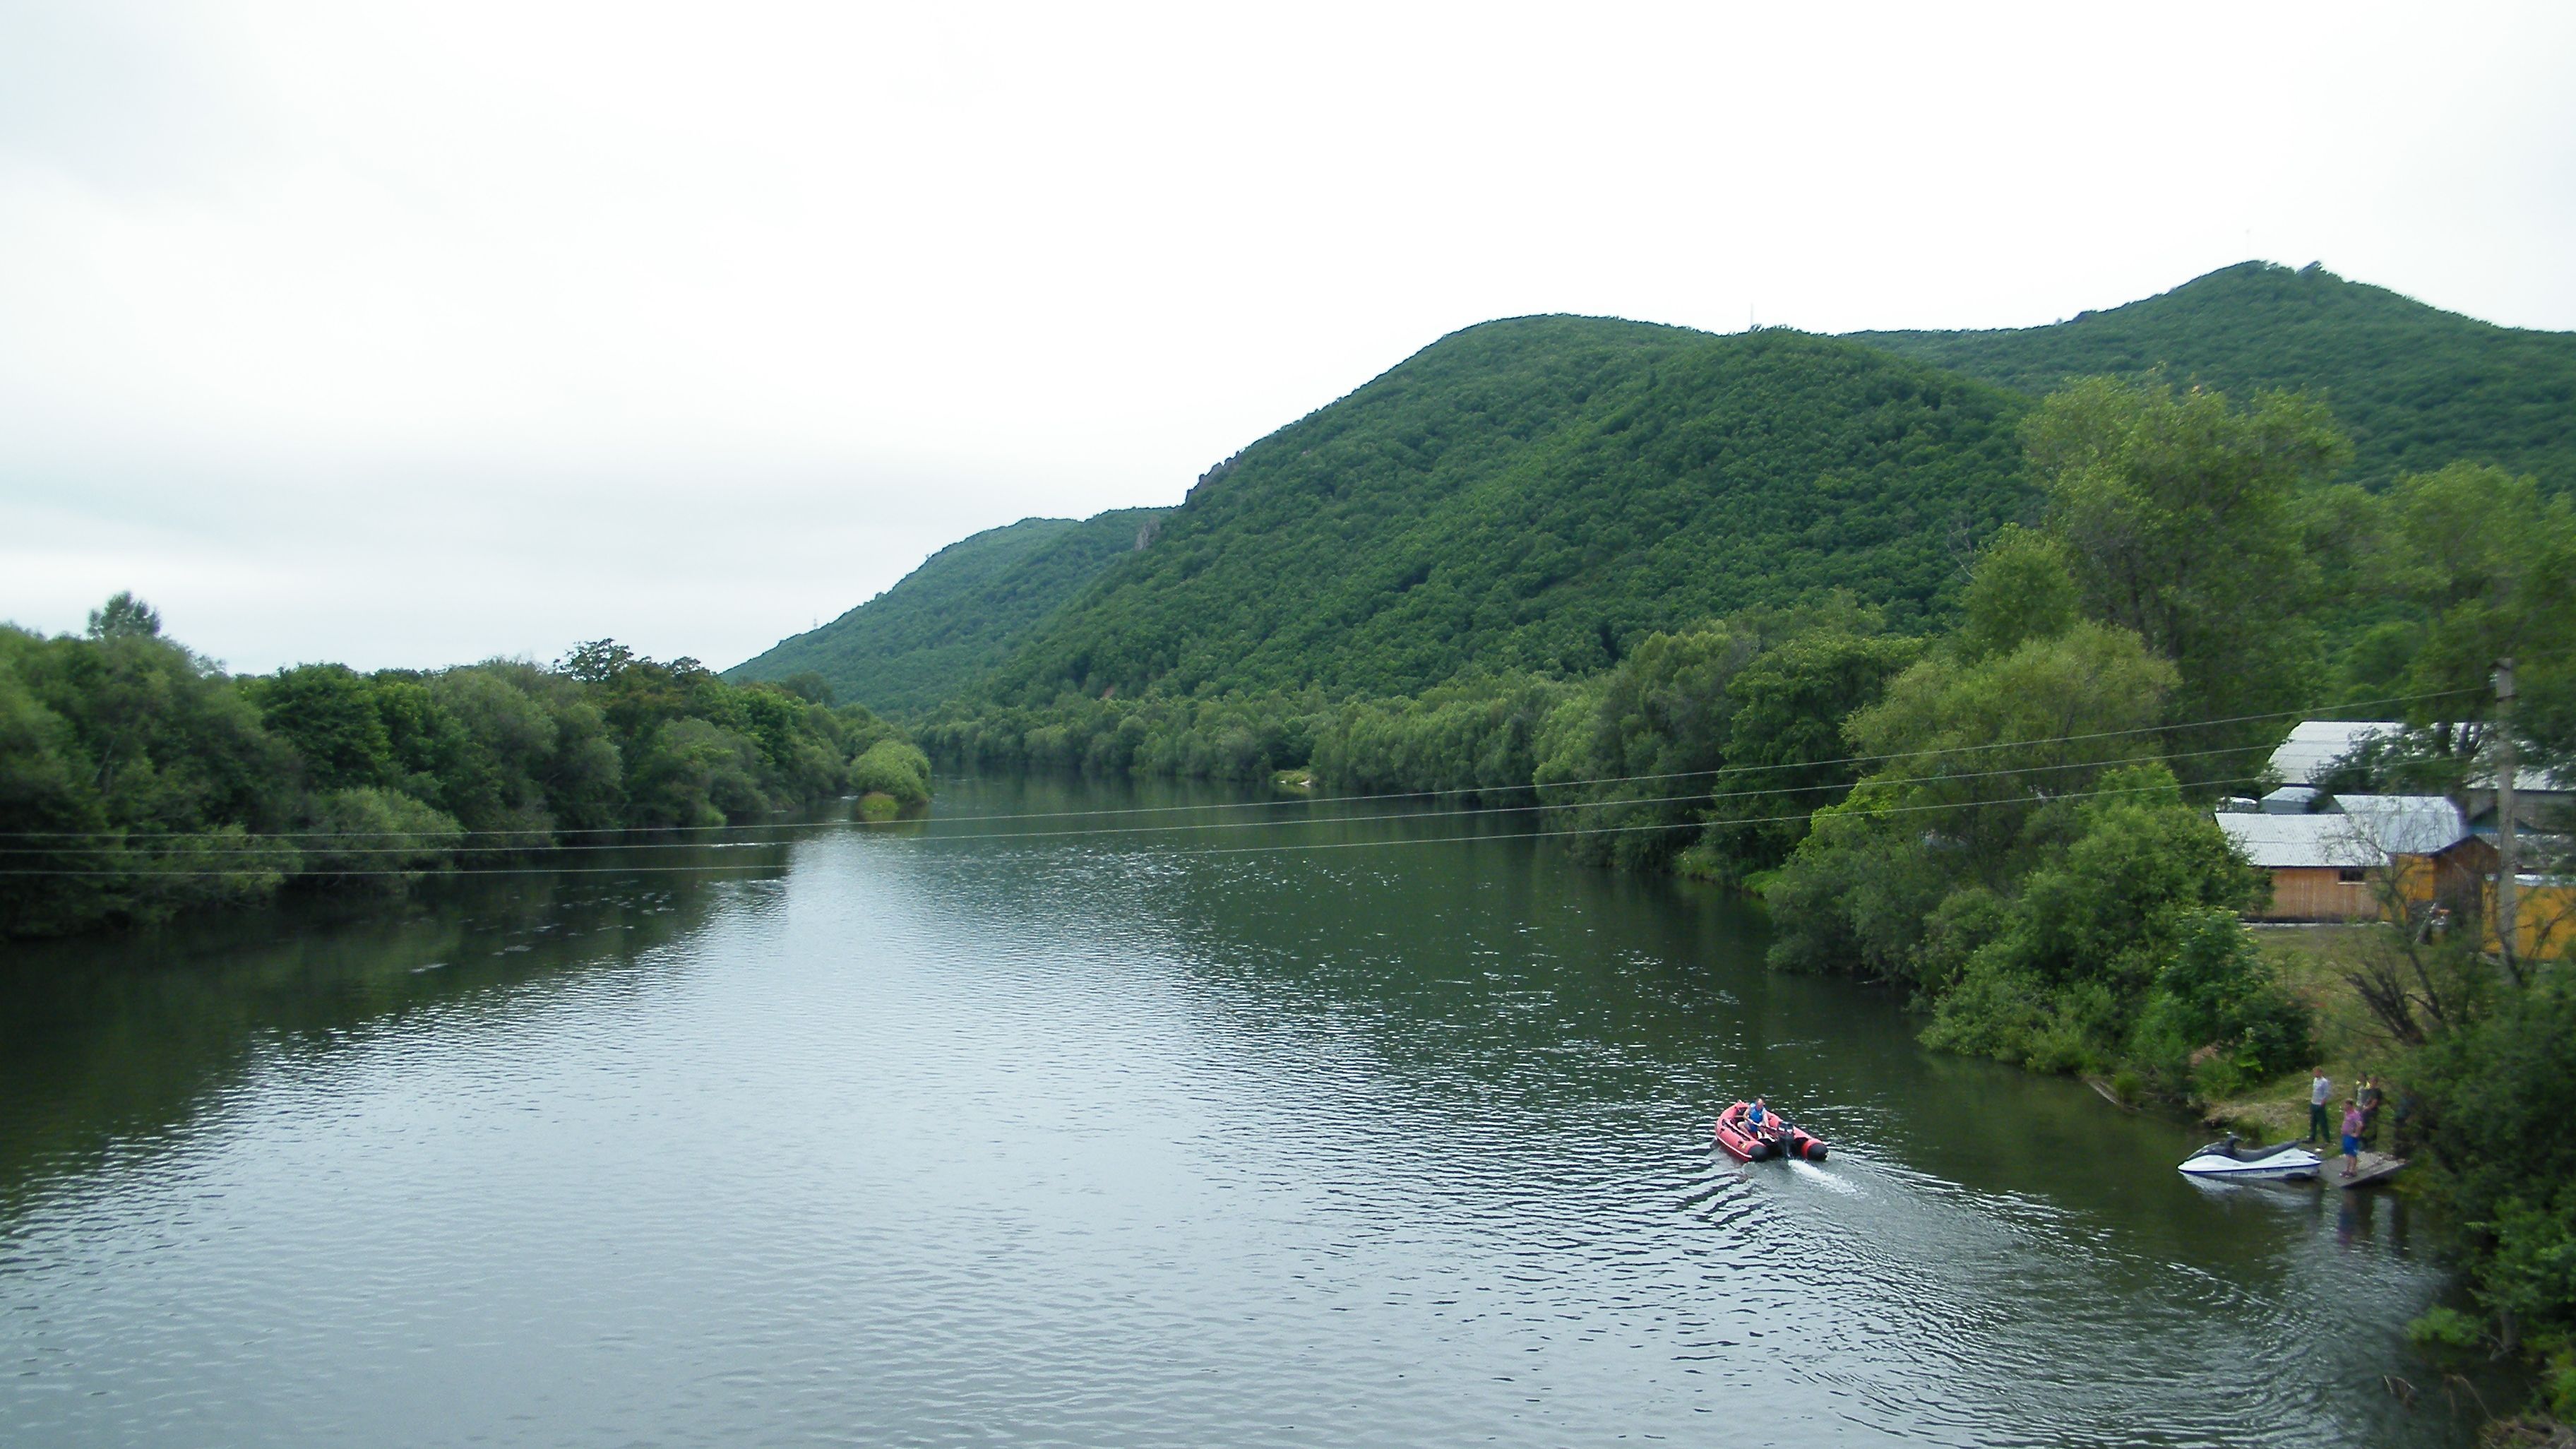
[[137, 779]]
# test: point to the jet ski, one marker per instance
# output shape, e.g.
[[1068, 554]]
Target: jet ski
[[2230, 1161]]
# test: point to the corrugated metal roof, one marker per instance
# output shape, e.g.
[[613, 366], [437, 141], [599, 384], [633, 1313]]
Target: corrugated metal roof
[[2529, 779], [2277, 842], [2406, 824], [2368, 830], [2315, 744]]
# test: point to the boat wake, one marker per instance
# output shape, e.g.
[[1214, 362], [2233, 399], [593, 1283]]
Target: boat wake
[[1810, 1172]]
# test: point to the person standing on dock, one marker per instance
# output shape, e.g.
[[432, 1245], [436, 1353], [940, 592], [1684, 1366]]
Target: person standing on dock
[[2371, 1098], [2318, 1092], [2351, 1135]]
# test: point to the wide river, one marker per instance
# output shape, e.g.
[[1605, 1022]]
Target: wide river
[[1382, 1131]]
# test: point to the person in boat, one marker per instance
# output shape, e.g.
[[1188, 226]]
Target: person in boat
[[2351, 1134], [1760, 1120]]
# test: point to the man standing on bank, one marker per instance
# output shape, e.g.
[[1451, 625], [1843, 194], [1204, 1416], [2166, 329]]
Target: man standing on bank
[[2319, 1092]]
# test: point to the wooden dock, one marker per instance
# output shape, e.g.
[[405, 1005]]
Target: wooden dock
[[2369, 1170]]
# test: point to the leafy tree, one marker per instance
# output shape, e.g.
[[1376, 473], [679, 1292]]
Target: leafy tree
[[597, 661], [1975, 761], [328, 713], [2178, 518], [2021, 589], [2495, 1099], [1785, 739], [1646, 749], [2487, 564], [124, 616], [1475, 739], [158, 769], [696, 772], [808, 685], [2136, 910]]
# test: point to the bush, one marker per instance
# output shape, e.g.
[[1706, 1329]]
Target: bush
[[893, 769], [377, 836], [2124, 944], [2446, 1328], [2558, 1384], [2220, 1003], [2497, 1097]]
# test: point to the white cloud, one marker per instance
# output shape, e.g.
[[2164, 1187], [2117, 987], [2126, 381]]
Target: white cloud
[[410, 333]]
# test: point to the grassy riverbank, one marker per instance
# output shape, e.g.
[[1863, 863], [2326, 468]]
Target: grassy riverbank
[[2314, 964]]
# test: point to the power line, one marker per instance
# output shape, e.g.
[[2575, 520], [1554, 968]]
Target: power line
[[327, 848], [1714, 772], [1870, 811]]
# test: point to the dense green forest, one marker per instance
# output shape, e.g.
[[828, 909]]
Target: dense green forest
[[958, 616], [2415, 387], [1541, 494], [137, 780]]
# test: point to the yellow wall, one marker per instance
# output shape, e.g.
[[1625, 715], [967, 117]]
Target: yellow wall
[[2548, 926], [2317, 894]]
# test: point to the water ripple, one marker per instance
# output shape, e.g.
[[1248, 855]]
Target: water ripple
[[1091, 1144]]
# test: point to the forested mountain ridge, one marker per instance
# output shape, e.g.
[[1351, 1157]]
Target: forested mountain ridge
[[958, 615], [1537, 494], [2416, 388], [1541, 493]]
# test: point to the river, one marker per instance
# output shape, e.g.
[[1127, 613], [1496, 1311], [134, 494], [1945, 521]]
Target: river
[[1384, 1131]]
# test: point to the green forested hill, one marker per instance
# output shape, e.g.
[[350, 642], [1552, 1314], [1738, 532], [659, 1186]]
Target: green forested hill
[[1541, 493], [2416, 387], [956, 616], [1538, 494]]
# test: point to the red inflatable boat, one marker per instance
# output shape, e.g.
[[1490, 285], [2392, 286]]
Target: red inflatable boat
[[1777, 1139]]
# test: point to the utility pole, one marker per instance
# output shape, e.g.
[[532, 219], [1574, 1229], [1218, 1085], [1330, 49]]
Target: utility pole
[[2508, 919]]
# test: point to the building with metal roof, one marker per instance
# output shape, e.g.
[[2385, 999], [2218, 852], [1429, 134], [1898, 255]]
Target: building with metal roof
[[2334, 865], [2315, 745]]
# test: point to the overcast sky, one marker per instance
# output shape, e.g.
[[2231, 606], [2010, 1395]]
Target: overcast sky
[[411, 334]]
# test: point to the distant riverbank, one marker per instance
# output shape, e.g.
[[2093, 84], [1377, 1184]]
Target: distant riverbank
[[143, 782]]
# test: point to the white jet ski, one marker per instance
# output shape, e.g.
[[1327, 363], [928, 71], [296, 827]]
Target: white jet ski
[[2228, 1162]]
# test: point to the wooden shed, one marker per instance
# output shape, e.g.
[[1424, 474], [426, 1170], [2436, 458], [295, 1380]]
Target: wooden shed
[[2340, 864]]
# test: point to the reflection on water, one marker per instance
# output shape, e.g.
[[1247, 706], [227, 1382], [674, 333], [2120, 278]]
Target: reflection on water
[[1148, 1137]]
